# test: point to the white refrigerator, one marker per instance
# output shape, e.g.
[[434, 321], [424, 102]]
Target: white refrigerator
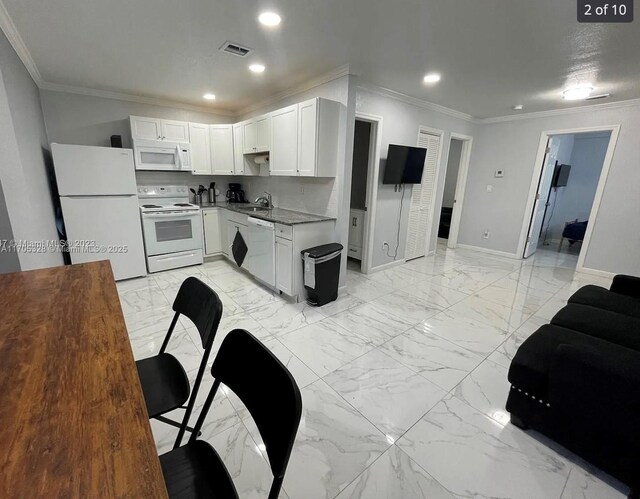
[[97, 188]]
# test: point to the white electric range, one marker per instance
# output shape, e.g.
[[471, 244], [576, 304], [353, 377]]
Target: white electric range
[[171, 226]]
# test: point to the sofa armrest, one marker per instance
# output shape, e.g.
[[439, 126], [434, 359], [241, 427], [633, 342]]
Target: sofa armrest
[[599, 387], [626, 285]]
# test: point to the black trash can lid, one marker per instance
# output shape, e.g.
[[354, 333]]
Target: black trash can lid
[[323, 250]]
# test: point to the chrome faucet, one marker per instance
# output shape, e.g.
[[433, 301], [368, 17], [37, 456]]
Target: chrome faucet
[[264, 200]]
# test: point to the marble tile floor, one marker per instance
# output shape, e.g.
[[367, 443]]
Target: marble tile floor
[[403, 378]]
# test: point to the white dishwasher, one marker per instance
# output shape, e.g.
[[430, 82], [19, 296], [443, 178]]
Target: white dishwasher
[[261, 254]]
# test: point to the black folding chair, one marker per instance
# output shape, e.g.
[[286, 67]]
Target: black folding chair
[[271, 395], [164, 381]]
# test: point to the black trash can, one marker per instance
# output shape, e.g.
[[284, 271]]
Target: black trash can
[[321, 271]]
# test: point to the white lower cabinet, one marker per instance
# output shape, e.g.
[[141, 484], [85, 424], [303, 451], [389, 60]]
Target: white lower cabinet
[[211, 231], [284, 265], [356, 233]]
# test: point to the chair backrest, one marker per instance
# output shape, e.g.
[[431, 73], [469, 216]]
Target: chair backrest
[[267, 389], [202, 305]]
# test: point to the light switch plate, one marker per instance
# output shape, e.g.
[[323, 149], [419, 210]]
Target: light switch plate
[[499, 174], [489, 188]]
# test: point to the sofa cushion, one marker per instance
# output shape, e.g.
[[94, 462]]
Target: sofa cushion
[[596, 296], [610, 326], [530, 366]]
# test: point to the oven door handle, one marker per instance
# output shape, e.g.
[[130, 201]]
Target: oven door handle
[[175, 214]]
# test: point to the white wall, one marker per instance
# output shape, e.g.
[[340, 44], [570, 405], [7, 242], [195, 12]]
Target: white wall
[[25, 169], [576, 199], [451, 178], [91, 121], [513, 145], [401, 122]]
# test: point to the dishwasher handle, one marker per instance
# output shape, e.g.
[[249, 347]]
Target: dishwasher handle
[[261, 223]]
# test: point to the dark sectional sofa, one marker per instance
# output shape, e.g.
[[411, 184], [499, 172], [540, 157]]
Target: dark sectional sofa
[[577, 379]]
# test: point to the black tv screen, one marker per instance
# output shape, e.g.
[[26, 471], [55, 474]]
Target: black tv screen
[[561, 175], [404, 165]]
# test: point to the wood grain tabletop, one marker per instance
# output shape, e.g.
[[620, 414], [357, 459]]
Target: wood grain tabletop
[[73, 422]]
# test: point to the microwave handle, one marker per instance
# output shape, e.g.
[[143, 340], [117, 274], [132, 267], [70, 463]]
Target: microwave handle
[[178, 158]]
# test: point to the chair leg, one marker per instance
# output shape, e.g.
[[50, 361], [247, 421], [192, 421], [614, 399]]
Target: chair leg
[[171, 422]]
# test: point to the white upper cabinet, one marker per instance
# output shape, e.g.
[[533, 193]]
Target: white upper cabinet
[[238, 158], [145, 128], [318, 123], [263, 133], [157, 129], [283, 156], [175, 131], [221, 139], [200, 149], [256, 134]]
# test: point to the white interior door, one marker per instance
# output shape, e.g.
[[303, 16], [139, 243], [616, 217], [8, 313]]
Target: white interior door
[[542, 196], [422, 196]]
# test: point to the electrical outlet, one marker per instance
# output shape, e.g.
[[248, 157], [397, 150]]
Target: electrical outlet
[[486, 234], [385, 245]]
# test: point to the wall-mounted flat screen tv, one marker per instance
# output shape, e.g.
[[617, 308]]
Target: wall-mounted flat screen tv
[[561, 175], [404, 165]]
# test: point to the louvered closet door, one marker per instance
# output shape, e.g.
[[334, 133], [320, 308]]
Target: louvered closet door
[[420, 212]]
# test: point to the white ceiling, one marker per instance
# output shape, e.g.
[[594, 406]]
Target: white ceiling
[[492, 53]]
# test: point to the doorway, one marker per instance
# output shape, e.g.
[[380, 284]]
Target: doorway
[[364, 178], [572, 171], [454, 186]]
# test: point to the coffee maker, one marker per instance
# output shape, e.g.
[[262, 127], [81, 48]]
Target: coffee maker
[[235, 194]]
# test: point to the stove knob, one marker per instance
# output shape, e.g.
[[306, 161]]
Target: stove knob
[[145, 189]]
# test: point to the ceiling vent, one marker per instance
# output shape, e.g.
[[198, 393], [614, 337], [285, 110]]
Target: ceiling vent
[[596, 97], [235, 49]]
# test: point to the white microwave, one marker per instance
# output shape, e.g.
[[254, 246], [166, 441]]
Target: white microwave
[[161, 155]]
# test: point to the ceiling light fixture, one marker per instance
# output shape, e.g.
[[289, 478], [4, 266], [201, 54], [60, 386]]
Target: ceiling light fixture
[[209, 96], [270, 19], [432, 78], [257, 68], [579, 92], [518, 107]]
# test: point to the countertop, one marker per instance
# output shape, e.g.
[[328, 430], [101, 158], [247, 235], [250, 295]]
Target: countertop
[[277, 215]]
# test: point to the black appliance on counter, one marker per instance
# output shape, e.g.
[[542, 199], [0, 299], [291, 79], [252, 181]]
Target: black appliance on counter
[[235, 194]]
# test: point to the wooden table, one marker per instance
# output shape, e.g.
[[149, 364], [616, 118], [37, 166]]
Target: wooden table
[[73, 422]]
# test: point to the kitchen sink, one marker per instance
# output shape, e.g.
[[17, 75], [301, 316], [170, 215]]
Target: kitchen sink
[[254, 208]]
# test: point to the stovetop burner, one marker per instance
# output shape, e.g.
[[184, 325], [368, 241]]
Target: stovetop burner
[[181, 204], [151, 206]]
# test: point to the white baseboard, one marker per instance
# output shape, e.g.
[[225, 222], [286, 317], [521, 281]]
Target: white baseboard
[[596, 272], [386, 266], [503, 254]]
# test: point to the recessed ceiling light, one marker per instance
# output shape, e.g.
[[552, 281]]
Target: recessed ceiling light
[[257, 68], [269, 19], [577, 93], [518, 107], [432, 78], [209, 96]]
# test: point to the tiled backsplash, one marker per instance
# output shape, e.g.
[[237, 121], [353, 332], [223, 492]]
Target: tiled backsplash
[[309, 195]]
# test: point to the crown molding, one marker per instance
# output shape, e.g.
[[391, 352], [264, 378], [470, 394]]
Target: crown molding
[[11, 32], [558, 112], [414, 101], [334, 74], [106, 94]]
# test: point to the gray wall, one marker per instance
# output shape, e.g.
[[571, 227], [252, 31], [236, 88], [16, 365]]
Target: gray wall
[[401, 122], [451, 179], [360, 165], [513, 146], [576, 199], [9, 262], [25, 170], [91, 121]]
